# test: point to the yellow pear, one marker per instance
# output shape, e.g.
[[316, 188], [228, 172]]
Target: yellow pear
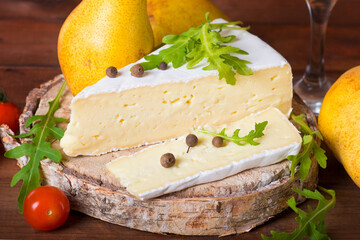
[[339, 121], [177, 16], [102, 33]]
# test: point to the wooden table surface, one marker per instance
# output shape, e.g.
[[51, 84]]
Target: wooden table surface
[[28, 38]]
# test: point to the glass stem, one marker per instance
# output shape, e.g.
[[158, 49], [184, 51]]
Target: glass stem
[[319, 16]]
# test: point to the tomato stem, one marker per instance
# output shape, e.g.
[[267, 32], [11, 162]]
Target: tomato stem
[[3, 96]]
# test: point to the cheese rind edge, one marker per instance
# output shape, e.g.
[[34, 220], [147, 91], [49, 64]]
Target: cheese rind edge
[[260, 55], [140, 172]]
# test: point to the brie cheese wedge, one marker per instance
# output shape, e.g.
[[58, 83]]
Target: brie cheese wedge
[[125, 112], [144, 176]]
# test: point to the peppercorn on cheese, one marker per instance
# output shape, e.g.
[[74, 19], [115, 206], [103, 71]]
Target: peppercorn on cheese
[[143, 175], [127, 111]]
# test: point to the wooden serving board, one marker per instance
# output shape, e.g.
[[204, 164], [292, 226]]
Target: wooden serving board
[[230, 206]]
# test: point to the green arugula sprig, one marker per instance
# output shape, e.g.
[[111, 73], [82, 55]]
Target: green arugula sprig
[[201, 42], [257, 133], [309, 146], [44, 129], [311, 224]]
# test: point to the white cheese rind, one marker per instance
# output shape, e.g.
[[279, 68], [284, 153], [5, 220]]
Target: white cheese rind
[[144, 177], [261, 56]]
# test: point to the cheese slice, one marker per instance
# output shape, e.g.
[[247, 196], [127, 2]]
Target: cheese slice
[[124, 112], [144, 176]]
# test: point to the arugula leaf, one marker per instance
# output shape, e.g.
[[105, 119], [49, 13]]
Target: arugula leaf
[[309, 146], [257, 133], [238, 64], [201, 42], [212, 51], [311, 224], [39, 148], [176, 53]]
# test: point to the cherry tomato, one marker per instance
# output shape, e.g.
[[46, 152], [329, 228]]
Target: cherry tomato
[[46, 208], [9, 113]]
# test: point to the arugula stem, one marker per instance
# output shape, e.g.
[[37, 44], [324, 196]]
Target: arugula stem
[[42, 136], [307, 149], [305, 152], [301, 123], [51, 112], [213, 26], [217, 25], [204, 30], [225, 137], [324, 209], [309, 145], [249, 138]]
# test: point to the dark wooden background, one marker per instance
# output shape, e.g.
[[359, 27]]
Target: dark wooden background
[[28, 38]]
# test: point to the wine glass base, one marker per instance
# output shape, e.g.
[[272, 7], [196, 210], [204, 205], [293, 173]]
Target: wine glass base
[[313, 94]]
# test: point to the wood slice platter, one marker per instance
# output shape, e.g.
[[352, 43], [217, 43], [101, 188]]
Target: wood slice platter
[[229, 206]]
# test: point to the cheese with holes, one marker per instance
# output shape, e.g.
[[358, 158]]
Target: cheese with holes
[[144, 176], [126, 111]]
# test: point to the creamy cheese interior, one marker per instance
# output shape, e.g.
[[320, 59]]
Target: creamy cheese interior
[[144, 177], [109, 121]]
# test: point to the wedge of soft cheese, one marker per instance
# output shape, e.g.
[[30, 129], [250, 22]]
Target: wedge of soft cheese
[[144, 176], [125, 112]]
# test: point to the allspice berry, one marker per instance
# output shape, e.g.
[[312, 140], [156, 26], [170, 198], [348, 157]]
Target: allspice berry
[[163, 66], [191, 140], [137, 70], [167, 160], [111, 72], [217, 142]]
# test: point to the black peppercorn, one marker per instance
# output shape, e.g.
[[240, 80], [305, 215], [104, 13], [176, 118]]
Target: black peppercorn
[[167, 160], [217, 142], [137, 70], [163, 66], [111, 72]]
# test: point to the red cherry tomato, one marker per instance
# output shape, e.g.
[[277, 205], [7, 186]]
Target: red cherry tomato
[[9, 113], [46, 208]]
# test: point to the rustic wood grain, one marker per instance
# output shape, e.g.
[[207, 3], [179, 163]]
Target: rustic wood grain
[[265, 17], [224, 207]]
